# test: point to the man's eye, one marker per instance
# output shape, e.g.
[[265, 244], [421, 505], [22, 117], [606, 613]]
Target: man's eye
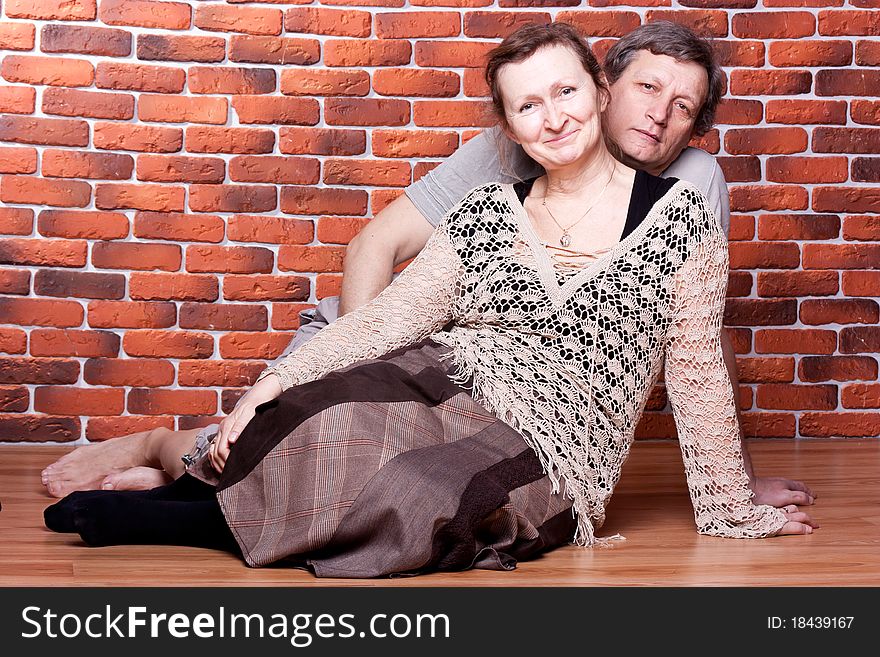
[[684, 108], [648, 86]]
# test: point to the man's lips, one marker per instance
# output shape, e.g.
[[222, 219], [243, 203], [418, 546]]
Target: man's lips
[[649, 135]]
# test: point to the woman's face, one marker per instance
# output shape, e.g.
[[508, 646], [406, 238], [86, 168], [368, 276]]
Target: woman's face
[[553, 108]]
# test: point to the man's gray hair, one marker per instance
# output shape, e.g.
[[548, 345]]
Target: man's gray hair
[[683, 45]]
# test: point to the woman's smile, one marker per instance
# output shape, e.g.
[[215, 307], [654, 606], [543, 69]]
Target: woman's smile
[[563, 137]]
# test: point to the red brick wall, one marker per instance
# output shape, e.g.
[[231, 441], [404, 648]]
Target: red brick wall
[[179, 179]]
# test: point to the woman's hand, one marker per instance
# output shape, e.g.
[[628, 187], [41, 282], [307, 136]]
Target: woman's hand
[[798, 522], [233, 424], [780, 492]]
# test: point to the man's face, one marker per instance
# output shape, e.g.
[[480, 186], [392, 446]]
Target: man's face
[[653, 107]]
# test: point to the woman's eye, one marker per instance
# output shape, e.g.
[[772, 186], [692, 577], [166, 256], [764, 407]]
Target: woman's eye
[[527, 107], [567, 91]]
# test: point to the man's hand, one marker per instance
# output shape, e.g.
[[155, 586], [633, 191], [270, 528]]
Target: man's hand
[[780, 492]]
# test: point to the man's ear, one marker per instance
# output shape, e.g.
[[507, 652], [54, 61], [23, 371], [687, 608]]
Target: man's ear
[[604, 93]]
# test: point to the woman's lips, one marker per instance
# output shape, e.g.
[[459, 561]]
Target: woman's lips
[[561, 137]]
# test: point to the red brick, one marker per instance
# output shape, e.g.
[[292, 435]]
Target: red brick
[[332, 22], [15, 281], [749, 198], [779, 255], [765, 140], [232, 198], [474, 83], [56, 71], [312, 201], [223, 317], [765, 370], [750, 82], [413, 143], [415, 82], [846, 140], [340, 230], [807, 169], [366, 52], [861, 283], [378, 3], [739, 284], [127, 372], [795, 341], [328, 285], [860, 395], [811, 53], [250, 20], [96, 105], [130, 137], [187, 422], [172, 402], [136, 256], [786, 397], [14, 399], [285, 316], [38, 370], [51, 132], [43, 253], [739, 53], [274, 50], [254, 345], [266, 288], [824, 425], [140, 77], [170, 48], [231, 80], [418, 24], [104, 428], [145, 13], [798, 227], [322, 141], [742, 228], [67, 342], [41, 191], [214, 139], [707, 22], [450, 113], [18, 100], [860, 340], [83, 224], [39, 428], [276, 110], [99, 41], [181, 109], [311, 258], [41, 312], [775, 25], [16, 221], [866, 169], [865, 227], [733, 111], [17, 36], [280, 170], [218, 373], [269, 230], [168, 344], [179, 168], [760, 312], [837, 22], [804, 3], [178, 227], [79, 164], [740, 169], [837, 368], [88, 285], [846, 199], [367, 172], [806, 111], [64, 10], [797, 284], [131, 314], [177, 287], [13, 341], [841, 256], [18, 160], [847, 83], [324, 82], [160, 198], [868, 53], [593, 23], [452, 54], [839, 311], [229, 259], [79, 401]]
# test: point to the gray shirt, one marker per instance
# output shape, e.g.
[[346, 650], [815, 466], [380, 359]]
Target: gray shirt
[[492, 157]]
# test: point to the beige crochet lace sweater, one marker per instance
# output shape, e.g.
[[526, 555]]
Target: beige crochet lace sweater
[[568, 358]]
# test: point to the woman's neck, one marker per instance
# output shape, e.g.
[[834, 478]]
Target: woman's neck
[[578, 181]]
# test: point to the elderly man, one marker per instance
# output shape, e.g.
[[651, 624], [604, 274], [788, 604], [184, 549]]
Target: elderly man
[[665, 86]]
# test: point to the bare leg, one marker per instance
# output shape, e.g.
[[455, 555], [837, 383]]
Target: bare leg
[[87, 467]]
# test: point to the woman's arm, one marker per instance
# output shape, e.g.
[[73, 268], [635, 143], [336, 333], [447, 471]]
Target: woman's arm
[[704, 405]]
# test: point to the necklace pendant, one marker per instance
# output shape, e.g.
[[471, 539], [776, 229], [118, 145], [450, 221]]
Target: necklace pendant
[[565, 240]]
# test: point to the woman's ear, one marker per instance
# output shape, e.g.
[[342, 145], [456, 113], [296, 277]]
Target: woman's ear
[[505, 128]]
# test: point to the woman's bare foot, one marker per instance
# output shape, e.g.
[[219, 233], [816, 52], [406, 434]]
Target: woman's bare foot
[[86, 467], [137, 478]]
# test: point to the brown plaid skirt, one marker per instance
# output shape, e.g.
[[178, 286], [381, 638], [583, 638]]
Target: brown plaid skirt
[[387, 467]]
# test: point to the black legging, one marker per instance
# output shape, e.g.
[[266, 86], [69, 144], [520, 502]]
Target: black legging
[[185, 512]]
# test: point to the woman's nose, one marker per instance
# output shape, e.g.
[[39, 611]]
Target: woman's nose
[[553, 117]]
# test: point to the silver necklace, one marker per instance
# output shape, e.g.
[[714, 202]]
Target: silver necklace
[[565, 240]]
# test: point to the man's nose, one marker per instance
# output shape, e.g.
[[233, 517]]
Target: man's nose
[[658, 111]]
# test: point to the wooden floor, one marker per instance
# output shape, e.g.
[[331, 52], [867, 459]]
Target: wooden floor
[[650, 508]]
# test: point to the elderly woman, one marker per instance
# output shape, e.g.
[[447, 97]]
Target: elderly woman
[[388, 445]]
